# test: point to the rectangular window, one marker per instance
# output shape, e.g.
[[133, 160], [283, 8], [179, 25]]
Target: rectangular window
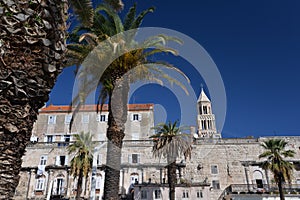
[[102, 118], [185, 194], [49, 138], [43, 160], [214, 169], [67, 138], [61, 160], [157, 194], [99, 159], [51, 119], [68, 119], [135, 117], [144, 194], [98, 182], [40, 184], [85, 119], [199, 194], [216, 184], [135, 158]]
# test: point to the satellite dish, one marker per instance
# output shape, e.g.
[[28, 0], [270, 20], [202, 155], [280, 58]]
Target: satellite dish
[[196, 135]]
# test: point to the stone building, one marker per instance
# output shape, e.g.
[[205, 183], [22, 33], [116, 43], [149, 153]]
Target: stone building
[[219, 168]]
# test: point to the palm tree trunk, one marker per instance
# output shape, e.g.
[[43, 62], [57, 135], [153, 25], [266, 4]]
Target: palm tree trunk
[[281, 192], [172, 179], [31, 47], [117, 117], [79, 185]]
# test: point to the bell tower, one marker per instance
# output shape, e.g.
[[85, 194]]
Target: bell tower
[[206, 118]]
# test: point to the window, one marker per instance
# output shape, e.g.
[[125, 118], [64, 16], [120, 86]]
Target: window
[[85, 119], [214, 169], [216, 184], [134, 158], [144, 194], [199, 194], [99, 159], [50, 138], [204, 109], [185, 194], [203, 122], [98, 182], [157, 194], [51, 119], [102, 118], [68, 119], [43, 160], [40, 182], [67, 138], [61, 160], [136, 117], [134, 178]]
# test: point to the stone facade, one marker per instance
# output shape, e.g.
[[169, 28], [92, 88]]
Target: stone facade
[[216, 166]]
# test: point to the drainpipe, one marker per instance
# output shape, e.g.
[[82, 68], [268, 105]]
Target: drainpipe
[[142, 175], [29, 180], [160, 175]]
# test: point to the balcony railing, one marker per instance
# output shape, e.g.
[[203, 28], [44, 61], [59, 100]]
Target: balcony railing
[[254, 188]]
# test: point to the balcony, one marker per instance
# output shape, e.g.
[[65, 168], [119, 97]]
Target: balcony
[[249, 190]]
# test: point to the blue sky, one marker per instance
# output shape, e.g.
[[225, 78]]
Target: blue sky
[[255, 45]]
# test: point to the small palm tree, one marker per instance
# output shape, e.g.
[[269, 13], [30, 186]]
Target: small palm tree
[[275, 153], [81, 163], [170, 143]]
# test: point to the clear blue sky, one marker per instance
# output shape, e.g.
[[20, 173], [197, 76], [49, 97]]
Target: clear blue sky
[[256, 47]]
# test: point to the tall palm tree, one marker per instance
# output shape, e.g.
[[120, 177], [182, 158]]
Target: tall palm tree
[[32, 55], [170, 143], [32, 46], [114, 85], [81, 163], [275, 153]]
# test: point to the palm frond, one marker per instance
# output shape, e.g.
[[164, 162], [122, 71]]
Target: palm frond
[[84, 11]]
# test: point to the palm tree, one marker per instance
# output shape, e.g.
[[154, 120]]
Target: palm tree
[[275, 153], [170, 143], [32, 55], [81, 163], [32, 46], [113, 82]]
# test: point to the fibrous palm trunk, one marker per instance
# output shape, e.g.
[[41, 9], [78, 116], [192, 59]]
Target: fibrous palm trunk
[[79, 185], [172, 179], [281, 192], [32, 44], [117, 107]]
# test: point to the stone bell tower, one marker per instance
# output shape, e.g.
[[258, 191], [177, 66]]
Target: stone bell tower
[[206, 118]]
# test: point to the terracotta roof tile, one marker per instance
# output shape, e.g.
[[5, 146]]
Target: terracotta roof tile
[[87, 108]]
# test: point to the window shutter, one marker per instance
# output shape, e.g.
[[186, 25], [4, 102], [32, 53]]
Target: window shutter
[[98, 118], [53, 138], [45, 138], [57, 160], [106, 117], [138, 158], [131, 116], [140, 117], [130, 158], [66, 160]]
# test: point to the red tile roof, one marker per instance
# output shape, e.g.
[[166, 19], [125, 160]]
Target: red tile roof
[[87, 108]]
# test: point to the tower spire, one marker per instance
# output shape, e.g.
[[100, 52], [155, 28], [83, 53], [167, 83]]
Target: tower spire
[[206, 118]]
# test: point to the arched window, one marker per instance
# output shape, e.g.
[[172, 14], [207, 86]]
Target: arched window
[[134, 178]]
